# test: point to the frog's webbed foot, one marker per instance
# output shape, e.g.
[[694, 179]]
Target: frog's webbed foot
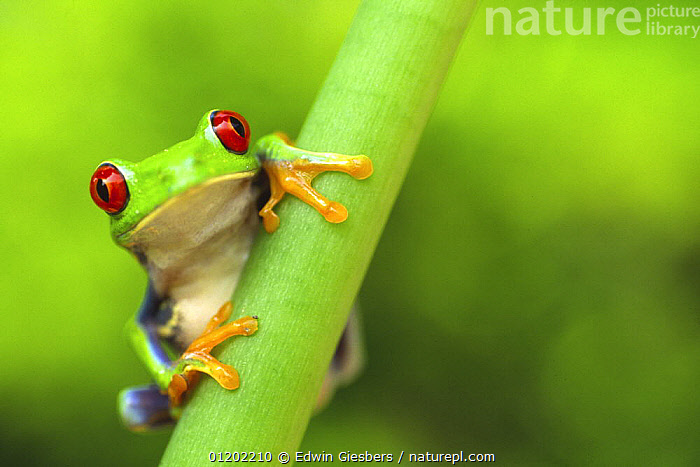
[[291, 170], [197, 357]]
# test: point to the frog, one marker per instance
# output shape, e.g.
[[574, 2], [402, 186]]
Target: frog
[[189, 215]]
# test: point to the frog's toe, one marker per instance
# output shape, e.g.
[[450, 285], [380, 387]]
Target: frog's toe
[[145, 408], [335, 212], [360, 167], [200, 361], [179, 384], [271, 221]]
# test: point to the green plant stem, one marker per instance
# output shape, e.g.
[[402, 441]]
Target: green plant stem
[[302, 280]]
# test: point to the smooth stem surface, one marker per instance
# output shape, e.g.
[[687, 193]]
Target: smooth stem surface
[[302, 279]]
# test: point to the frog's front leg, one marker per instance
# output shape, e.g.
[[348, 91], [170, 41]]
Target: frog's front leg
[[291, 170], [146, 407], [197, 357]]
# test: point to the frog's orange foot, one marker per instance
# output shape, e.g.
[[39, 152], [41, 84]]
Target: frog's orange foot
[[291, 170], [197, 357]]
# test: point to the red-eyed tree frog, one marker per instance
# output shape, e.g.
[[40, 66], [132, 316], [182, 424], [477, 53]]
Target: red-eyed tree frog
[[188, 214]]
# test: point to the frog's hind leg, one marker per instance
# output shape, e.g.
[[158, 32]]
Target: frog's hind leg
[[145, 408], [348, 360]]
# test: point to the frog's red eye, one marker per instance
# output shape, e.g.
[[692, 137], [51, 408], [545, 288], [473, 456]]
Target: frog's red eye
[[108, 189], [232, 130]]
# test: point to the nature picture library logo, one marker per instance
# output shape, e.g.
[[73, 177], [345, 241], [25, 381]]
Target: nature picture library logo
[[658, 20]]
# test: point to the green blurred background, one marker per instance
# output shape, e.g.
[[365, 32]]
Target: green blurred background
[[536, 293]]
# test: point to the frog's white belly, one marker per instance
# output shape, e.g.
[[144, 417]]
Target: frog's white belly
[[196, 245]]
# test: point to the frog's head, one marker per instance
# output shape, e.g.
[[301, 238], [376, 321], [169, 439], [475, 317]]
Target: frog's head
[[137, 195]]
